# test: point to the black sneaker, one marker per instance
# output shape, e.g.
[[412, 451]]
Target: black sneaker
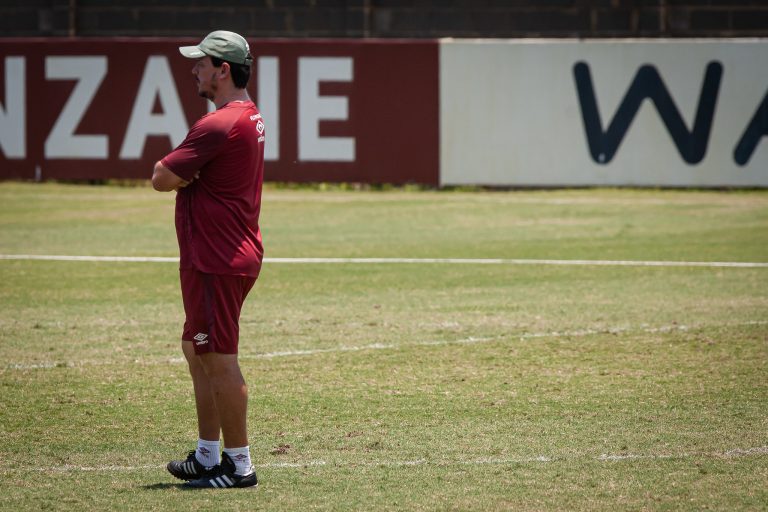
[[189, 469], [223, 477]]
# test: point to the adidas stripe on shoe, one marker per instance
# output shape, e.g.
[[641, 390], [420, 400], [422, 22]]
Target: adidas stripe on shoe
[[189, 469], [224, 477]]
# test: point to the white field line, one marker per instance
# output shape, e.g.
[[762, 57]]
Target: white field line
[[396, 346], [370, 261], [733, 453], [473, 339], [512, 261]]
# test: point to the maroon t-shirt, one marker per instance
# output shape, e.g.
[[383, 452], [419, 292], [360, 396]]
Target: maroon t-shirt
[[217, 215]]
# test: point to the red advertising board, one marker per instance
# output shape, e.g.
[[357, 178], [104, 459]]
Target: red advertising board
[[336, 110]]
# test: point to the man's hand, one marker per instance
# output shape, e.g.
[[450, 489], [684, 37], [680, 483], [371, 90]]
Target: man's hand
[[185, 183], [163, 180]]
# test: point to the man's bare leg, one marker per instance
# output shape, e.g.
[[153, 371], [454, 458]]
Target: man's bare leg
[[208, 424], [226, 384], [205, 458]]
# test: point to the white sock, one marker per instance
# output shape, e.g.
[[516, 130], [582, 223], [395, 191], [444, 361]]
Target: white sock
[[242, 459], [207, 452]]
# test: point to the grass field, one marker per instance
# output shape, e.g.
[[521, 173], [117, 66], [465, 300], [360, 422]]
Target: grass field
[[393, 386]]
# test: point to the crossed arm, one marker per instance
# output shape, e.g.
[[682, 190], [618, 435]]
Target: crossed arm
[[164, 180]]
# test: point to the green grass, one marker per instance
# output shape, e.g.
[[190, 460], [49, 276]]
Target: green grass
[[420, 387]]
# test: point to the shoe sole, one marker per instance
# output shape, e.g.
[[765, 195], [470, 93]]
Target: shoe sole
[[251, 487], [236, 486]]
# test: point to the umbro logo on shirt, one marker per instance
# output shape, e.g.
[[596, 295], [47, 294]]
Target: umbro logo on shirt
[[201, 338]]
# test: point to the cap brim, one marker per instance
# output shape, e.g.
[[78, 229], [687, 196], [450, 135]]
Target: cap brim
[[191, 52]]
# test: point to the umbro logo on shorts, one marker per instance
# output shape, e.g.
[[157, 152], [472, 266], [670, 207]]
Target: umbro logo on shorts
[[201, 338]]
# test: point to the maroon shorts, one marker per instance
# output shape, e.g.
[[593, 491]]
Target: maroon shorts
[[212, 303]]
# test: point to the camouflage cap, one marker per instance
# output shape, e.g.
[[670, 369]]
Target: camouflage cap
[[222, 44]]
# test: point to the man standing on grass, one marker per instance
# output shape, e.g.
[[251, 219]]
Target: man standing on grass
[[217, 172]]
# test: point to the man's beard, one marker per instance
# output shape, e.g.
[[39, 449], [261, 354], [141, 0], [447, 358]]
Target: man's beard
[[210, 94]]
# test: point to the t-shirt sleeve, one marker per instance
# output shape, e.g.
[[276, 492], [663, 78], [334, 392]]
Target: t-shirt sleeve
[[201, 145]]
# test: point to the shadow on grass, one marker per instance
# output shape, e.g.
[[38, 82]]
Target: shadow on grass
[[165, 486], [181, 487]]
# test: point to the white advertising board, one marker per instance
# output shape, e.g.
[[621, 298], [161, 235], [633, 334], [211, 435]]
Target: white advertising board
[[680, 113]]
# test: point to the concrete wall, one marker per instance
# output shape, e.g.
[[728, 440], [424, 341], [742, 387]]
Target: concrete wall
[[387, 18]]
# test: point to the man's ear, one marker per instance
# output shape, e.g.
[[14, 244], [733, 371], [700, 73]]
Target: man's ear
[[224, 70]]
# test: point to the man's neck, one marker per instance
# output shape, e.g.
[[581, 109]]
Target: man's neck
[[234, 95]]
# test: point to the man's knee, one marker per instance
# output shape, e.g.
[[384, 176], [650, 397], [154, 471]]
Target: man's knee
[[215, 364]]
